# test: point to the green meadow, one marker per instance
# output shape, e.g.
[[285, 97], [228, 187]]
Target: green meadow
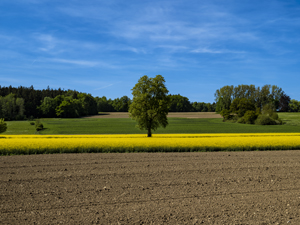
[[127, 126]]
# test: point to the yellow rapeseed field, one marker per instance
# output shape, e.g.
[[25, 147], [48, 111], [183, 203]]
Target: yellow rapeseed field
[[30, 144]]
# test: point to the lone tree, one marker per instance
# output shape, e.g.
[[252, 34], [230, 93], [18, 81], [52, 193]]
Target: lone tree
[[3, 126], [150, 104]]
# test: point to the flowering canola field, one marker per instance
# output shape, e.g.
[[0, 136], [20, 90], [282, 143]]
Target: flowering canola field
[[34, 144]]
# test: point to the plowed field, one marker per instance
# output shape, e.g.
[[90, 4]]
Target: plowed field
[[155, 188]]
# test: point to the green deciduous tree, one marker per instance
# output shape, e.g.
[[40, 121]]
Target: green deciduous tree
[[284, 103], [240, 106], [47, 107], [224, 96], [89, 104], [69, 108], [150, 105], [294, 106]]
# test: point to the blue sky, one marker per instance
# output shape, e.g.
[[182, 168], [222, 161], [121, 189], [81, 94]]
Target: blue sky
[[103, 47]]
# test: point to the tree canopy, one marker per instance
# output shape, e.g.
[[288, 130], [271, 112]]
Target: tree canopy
[[150, 104]]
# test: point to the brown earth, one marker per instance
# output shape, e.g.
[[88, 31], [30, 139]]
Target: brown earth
[[151, 188], [198, 115]]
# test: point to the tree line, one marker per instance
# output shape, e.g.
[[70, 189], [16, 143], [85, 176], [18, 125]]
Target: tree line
[[26, 102], [23, 102]]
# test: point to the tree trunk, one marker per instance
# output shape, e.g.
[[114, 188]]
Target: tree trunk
[[149, 133]]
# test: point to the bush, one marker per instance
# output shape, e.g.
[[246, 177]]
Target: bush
[[265, 120], [250, 117], [226, 114], [39, 126], [241, 120], [274, 116], [268, 109]]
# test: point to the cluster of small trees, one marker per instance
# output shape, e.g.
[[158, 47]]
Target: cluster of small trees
[[242, 110], [248, 104], [258, 96]]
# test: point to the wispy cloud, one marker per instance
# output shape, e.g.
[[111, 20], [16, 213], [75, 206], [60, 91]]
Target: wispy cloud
[[48, 42], [103, 87], [220, 51], [82, 63], [206, 50], [76, 62]]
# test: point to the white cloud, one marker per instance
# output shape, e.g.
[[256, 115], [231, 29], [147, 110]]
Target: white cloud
[[206, 50], [77, 62], [220, 51], [48, 42], [103, 87], [85, 63]]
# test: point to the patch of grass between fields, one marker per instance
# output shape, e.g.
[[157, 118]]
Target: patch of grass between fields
[[128, 126]]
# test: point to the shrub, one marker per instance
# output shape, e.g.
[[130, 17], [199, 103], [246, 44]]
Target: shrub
[[226, 114], [265, 120], [241, 120], [268, 109], [250, 117], [39, 126], [274, 116]]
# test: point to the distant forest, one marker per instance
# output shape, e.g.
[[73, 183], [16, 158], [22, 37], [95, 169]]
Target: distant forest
[[28, 103]]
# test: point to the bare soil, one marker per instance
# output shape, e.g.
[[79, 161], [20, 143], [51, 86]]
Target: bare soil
[[197, 115], [151, 188]]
